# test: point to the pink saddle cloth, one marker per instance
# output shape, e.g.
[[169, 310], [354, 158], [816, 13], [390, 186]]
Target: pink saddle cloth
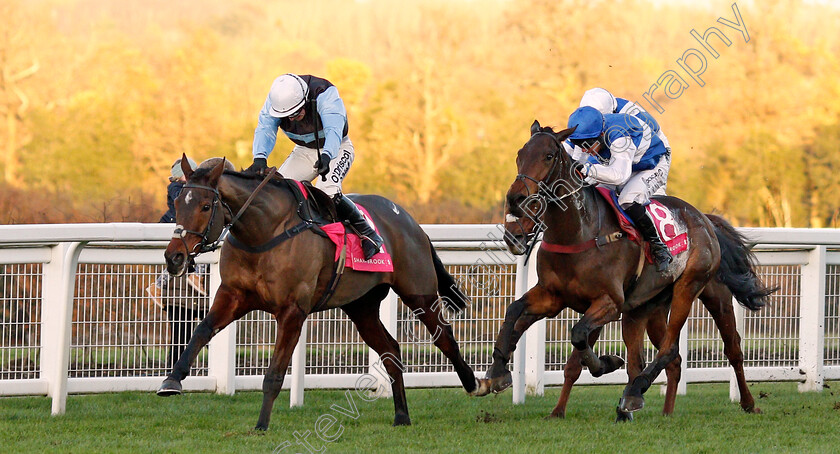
[[673, 234], [355, 259]]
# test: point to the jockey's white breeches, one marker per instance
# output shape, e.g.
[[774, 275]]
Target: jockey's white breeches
[[300, 165], [642, 185]]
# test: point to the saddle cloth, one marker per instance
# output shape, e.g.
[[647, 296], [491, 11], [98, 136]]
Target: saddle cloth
[[355, 258], [672, 234], [379, 263]]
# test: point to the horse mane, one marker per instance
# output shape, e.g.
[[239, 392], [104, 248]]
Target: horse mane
[[277, 181]]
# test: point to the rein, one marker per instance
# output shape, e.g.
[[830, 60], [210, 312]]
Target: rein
[[544, 190], [206, 244]]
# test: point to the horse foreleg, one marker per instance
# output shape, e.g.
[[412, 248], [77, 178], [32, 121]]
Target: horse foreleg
[[289, 324], [536, 302], [228, 305], [571, 373], [718, 301], [602, 311]]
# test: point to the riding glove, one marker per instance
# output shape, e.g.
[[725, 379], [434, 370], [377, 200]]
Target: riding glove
[[588, 172], [323, 165], [258, 166]]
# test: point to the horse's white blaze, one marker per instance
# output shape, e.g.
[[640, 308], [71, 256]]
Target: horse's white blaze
[[511, 218], [188, 197]]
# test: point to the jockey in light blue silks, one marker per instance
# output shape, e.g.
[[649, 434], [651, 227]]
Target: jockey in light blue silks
[[621, 151], [606, 103], [312, 115]]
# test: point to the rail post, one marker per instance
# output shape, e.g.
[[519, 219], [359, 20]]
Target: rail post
[[812, 321], [57, 320]]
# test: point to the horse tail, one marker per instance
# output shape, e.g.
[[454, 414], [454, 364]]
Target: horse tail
[[449, 291], [737, 266]]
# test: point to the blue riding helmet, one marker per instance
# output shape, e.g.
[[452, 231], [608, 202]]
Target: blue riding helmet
[[589, 122]]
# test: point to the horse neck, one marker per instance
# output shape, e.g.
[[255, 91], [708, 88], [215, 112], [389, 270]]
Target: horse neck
[[570, 222], [272, 208]]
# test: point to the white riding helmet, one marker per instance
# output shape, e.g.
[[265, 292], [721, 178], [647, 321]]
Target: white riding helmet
[[287, 95], [600, 99], [175, 171]]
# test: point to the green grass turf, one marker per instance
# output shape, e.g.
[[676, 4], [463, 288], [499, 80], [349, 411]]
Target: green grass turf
[[444, 420]]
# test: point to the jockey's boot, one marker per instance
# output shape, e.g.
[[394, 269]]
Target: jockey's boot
[[348, 211], [661, 256]]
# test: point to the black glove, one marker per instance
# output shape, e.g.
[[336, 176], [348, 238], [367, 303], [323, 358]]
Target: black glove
[[258, 166], [322, 165]]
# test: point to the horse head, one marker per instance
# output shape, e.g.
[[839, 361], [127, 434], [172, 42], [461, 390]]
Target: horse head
[[544, 171], [199, 217]]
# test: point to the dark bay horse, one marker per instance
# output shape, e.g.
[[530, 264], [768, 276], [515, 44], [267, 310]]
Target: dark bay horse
[[602, 282], [289, 279]]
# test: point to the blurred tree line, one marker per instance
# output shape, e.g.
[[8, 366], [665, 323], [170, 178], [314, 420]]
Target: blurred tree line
[[98, 98]]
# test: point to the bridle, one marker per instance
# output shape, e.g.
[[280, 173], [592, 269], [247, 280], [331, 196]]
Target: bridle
[[208, 244], [544, 189]]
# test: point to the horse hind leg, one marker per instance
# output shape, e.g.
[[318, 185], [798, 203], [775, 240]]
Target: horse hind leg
[[656, 326], [364, 313], [718, 301], [685, 292], [571, 372], [428, 310]]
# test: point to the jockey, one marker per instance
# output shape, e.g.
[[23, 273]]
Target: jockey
[[606, 103], [302, 106], [621, 151]]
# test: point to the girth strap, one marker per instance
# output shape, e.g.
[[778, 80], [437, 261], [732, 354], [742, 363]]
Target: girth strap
[[272, 243], [580, 247]]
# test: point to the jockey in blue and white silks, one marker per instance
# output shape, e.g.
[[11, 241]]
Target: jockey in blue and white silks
[[621, 151], [310, 112], [606, 103]]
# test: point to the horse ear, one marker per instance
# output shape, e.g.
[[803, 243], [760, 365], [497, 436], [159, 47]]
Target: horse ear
[[216, 173], [535, 127], [564, 134], [185, 166]]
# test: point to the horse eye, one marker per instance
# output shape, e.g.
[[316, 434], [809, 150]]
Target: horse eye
[[206, 207], [549, 156]]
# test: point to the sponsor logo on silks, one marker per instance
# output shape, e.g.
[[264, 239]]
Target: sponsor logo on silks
[[341, 168]]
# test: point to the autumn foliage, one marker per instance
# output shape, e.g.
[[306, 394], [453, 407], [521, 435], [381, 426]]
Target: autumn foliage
[[98, 98]]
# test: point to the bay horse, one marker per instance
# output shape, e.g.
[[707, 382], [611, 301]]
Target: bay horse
[[603, 282], [290, 278]]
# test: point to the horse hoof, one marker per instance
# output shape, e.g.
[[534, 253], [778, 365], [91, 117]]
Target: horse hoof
[[621, 416], [169, 387], [482, 387], [555, 416], [260, 428], [611, 363], [402, 420], [499, 384], [631, 403]]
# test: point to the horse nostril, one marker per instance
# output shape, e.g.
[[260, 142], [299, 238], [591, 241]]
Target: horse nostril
[[177, 259], [515, 205]]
